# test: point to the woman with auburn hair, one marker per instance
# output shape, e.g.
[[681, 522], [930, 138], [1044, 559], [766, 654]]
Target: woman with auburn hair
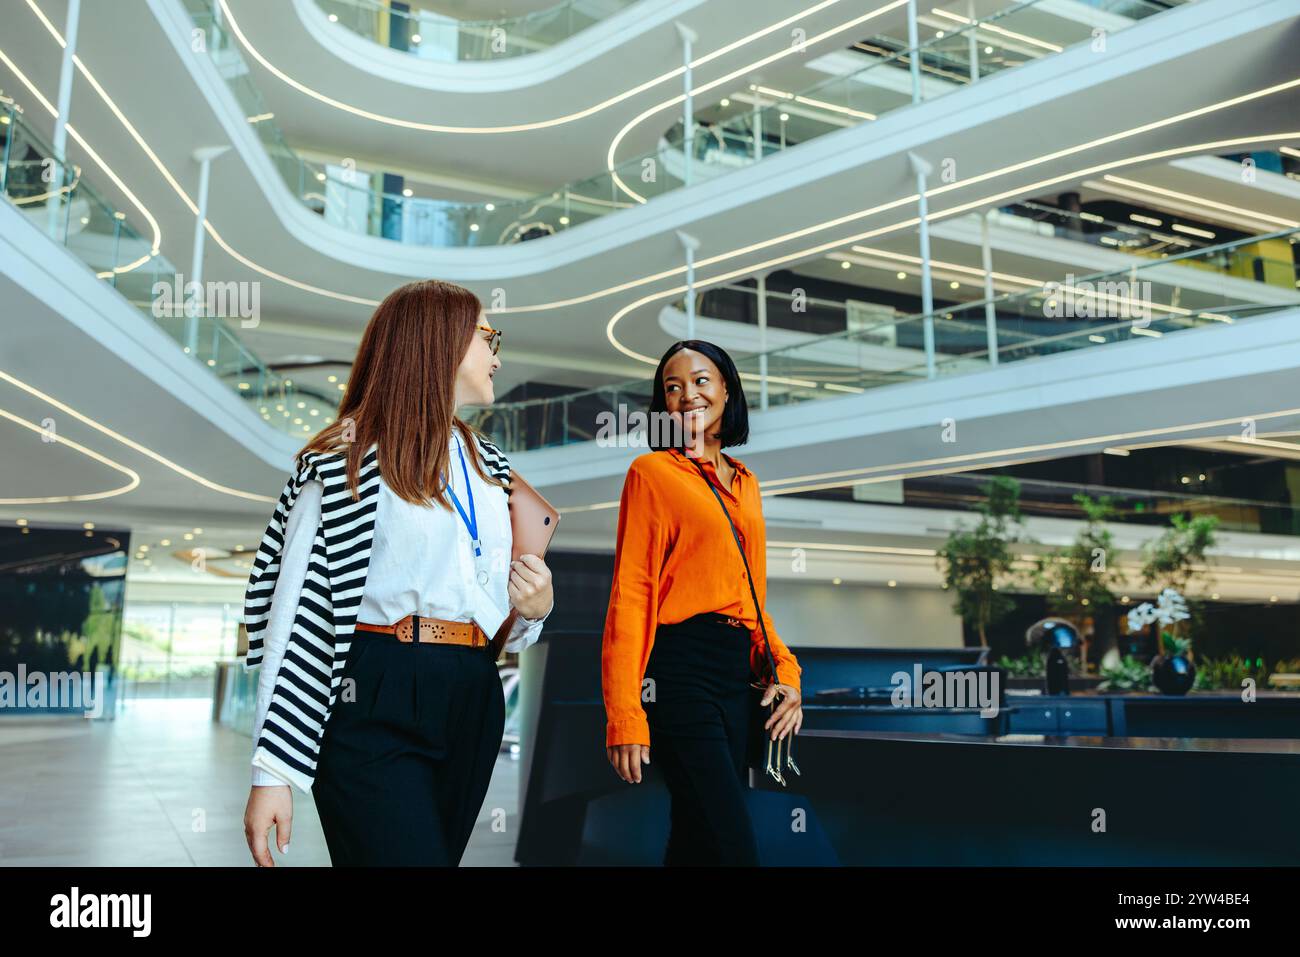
[[685, 629], [379, 597]]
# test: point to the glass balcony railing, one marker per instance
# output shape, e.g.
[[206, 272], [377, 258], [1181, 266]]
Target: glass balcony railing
[[1149, 300], [57, 200], [1054, 499], [1256, 259], [434, 36], [355, 200]]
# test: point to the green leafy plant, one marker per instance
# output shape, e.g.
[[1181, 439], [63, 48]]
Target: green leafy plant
[[1082, 577], [1129, 675], [976, 561], [1177, 558], [1032, 665], [1227, 673]]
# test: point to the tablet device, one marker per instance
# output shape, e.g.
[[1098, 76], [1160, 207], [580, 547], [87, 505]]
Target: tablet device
[[533, 521]]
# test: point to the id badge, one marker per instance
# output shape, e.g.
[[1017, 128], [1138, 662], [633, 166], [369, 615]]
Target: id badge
[[482, 565]]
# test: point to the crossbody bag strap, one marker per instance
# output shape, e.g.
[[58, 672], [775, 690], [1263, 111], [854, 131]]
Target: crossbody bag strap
[[767, 644]]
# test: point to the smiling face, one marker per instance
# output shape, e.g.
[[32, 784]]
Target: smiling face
[[694, 389], [474, 376]]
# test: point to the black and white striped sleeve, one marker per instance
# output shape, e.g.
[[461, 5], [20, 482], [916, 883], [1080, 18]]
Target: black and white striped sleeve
[[295, 555]]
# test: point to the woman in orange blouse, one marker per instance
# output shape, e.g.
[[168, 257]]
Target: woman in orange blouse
[[682, 638]]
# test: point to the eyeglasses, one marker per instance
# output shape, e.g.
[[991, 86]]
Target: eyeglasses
[[494, 340]]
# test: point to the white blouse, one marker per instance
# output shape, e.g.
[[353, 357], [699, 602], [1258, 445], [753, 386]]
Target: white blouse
[[421, 563]]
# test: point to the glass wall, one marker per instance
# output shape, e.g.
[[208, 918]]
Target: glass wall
[[62, 591], [169, 649]]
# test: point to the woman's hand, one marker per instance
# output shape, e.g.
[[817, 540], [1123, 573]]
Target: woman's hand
[[267, 805], [530, 586], [627, 760], [788, 716]]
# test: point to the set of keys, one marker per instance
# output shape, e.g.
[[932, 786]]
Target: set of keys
[[774, 767]]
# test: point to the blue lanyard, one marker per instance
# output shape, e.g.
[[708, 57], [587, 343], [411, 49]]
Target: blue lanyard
[[471, 521]]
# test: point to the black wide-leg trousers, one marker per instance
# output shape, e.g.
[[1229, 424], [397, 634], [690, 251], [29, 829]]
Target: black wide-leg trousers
[[407, 752], [699, 719]]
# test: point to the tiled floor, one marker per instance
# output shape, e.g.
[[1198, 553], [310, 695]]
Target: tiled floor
[[164, 785]]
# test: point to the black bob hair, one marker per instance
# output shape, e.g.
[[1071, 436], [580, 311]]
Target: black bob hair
[[734, 426]]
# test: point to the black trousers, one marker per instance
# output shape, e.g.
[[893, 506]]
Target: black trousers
[[404, 766], [699, 734]]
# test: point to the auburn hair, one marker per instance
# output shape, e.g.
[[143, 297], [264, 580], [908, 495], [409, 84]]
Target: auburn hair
[[401, 393]]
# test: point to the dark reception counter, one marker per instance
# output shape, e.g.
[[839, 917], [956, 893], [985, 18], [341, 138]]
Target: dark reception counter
[[1202, 780], [885, 798]]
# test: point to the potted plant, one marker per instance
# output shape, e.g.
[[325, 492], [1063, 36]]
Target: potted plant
[[1172, 670]]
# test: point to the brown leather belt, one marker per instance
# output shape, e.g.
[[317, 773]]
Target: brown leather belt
[[433, 631]]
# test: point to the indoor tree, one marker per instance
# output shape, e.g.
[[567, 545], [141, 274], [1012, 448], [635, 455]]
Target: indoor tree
[[1080, 579], [1176, 559], [976, 561]]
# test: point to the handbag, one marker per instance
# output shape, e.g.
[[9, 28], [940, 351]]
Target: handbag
[[773, 759]]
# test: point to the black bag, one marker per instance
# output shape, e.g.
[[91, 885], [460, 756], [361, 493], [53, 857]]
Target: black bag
[[761, 746]]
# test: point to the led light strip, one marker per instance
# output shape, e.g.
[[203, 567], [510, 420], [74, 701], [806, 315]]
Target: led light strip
[[518, 127], [1007, 278], [1001, 31], [132, 444], [905, 224], [678, 270], [1277, 221], [727, 78], [959, 463], [133, 477], [80, 140], [166, 174], [912, 199]]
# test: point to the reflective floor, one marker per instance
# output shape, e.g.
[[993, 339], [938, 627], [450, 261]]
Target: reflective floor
[[163, 785]]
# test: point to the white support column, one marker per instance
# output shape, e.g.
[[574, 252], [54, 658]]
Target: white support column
[[912, 57], [204, 156], [762, 340], [986, 261], [922, 169], [689, 37], [974, 43], [54, 205], [689, 244], [758, 126]]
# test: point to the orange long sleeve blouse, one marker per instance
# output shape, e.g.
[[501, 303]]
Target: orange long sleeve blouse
[[675, 558]]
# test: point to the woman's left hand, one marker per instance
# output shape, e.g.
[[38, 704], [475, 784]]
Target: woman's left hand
[[530, 587], [788, 716]]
